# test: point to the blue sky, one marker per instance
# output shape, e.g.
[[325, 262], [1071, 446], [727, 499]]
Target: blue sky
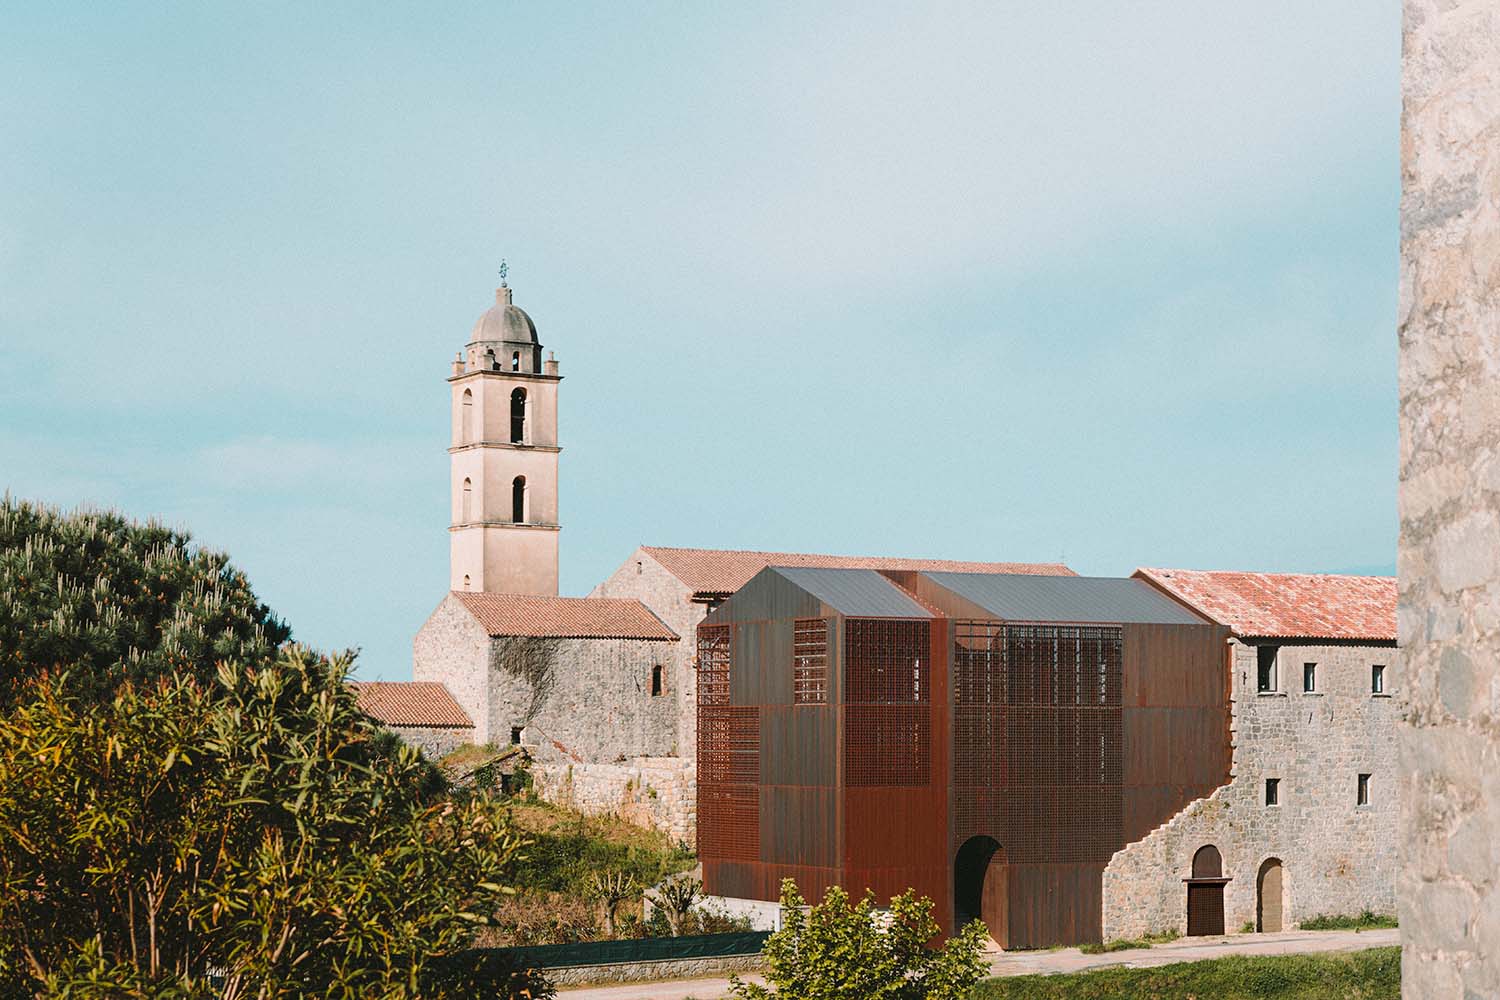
[[1113, 283]]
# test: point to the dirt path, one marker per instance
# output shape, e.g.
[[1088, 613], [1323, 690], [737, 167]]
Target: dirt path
[[1061, 960]]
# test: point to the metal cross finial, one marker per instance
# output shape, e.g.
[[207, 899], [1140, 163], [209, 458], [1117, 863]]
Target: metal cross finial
[[504, 270]]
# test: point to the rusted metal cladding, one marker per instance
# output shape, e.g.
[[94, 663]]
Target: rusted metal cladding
[[895, 733], [1176, 721]]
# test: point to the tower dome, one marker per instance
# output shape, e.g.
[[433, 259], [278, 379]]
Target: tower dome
[[504, 322]]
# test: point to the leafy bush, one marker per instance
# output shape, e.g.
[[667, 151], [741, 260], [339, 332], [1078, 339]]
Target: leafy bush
[[835, 951], [109, 599], [252, 837]]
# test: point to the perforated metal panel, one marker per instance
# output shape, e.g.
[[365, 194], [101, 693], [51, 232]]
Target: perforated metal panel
[[1038, 759], [887, 709], [713, 664], [728, 756], [810, 661]]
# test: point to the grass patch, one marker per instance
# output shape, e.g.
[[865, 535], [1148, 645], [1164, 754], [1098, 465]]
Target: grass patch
[[567, 847], [1363, 975], [1125, 944], [1365, 921]]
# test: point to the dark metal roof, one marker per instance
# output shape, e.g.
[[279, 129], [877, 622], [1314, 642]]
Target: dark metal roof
[[855, 593], [1067, 599]]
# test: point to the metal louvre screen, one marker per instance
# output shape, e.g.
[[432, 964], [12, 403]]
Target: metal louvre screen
[[887, 702], [713, 664], [728, 757], [810, 661], [1038, 755]]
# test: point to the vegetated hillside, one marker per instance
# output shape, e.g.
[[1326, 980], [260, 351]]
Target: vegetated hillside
[[558, 903], [1362, 975]]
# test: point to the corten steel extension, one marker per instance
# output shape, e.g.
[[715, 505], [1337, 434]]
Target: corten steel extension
[[909, 730]]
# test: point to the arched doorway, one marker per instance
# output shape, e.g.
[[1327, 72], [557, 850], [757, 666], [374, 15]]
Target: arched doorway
[[979, 886], [1205, 892], [1268, 896]]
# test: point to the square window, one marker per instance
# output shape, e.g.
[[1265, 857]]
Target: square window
[[1377, 679], [1363, 795], [1309, 677], [515, 735], [1265, 679], [1273, 790]]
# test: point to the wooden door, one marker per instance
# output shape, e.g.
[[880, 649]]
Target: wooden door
[[994, 904], [1205, 908], [1268, 897]]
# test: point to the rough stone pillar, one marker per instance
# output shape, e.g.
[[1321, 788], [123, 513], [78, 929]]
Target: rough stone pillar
[[1449, 886]]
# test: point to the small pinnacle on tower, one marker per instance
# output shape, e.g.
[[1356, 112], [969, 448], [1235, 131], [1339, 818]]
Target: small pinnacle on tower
[[504, 270]]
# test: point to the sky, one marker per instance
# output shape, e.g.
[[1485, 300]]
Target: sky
[[1101, 282]]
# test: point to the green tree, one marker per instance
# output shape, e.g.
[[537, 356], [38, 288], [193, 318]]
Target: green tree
[[835, 951], [110, 599], [243, 838]]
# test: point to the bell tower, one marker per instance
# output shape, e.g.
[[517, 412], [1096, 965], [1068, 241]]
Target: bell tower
[[503, 530]]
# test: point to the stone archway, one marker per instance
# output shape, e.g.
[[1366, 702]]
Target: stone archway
[[1269, 893], [1205, 892], [979, 890]]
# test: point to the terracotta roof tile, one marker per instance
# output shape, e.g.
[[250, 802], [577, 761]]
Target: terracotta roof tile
[[409, 703], [564, 617], [1287, 605], [724, 571]]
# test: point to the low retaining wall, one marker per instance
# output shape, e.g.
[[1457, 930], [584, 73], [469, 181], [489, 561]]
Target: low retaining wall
[[641, 958], [672, 968]]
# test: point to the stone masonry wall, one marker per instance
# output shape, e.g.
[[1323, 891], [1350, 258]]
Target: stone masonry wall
[[646, 580], [1449, 332], [452, 648], [434, 741], [1337, 857], [581, 700], [656, 792]]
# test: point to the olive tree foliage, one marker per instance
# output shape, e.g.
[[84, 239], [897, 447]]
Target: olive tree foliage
[[248, 837], [111, 599], [839, 951]]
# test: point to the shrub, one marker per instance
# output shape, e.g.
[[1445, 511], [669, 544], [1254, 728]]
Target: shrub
[[835, 951], [1367, 920]]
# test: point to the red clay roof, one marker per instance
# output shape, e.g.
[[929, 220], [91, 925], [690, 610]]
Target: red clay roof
[[723, 571], [1287, 605], [409, 703], [564, 617]]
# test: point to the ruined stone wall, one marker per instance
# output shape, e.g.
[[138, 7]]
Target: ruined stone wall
[[656, 792], [1337, 857], [1449, 331]]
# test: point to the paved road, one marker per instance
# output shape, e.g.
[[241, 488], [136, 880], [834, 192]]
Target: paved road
[[1063, 960]]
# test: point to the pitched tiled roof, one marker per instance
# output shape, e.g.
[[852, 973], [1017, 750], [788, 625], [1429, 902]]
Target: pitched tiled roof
[[723, 571], [1287, 605], [409, 703], [564, 617]]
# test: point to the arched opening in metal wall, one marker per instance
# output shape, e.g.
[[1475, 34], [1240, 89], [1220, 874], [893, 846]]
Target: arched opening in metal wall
[[1269, 889], [979, 886]]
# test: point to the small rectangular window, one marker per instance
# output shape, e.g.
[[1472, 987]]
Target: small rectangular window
[[1309, 677], [810, 661], [1364, 790], [1377, 679], [656, 681], [1273, 791], [1265, 680], [515, 735]]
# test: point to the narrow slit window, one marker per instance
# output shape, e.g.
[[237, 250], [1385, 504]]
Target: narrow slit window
[[518, 500], [1309, 677], [1377, 679], [1273, 791], [657, 687], [1362, 794], [810, 662], [518, 416]]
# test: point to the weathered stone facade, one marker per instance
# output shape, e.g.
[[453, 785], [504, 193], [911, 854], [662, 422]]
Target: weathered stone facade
[[1449, 324], [434, 741], [658, 792], [643, 578], [452, 648], [1338, 857]]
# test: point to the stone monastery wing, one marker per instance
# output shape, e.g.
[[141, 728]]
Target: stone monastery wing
[[1287, 605], [564, 617], [723, 571]]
